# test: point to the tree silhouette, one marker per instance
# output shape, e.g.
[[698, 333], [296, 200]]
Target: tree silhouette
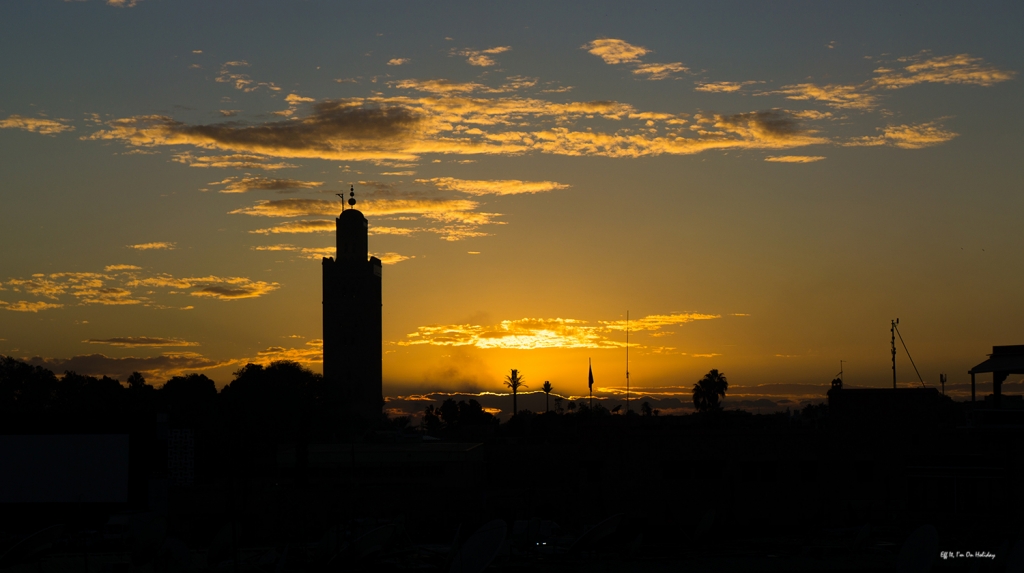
[[280, 401], [645, 409], [25, 389], [189, 398], [547, 394], [449, 411], [432, 418], [136, 381], [515, 382], [707, 390]]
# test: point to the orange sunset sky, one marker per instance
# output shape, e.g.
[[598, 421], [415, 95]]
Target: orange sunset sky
[[762, 186]]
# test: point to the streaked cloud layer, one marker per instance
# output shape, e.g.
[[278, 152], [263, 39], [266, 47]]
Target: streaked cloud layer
[[35, 124], [536, 333], [128, 287], [457, 120], [141, 341], [493, 187], [154, 368], [906, 136], [245, 184]]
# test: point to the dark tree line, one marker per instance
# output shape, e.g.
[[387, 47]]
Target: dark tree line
[[279, 402]]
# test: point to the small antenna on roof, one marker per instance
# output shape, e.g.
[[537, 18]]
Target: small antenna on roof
[[352, 196]]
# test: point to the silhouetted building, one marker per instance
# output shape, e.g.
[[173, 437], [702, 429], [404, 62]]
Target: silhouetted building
[[352, 319], [1003, 361]]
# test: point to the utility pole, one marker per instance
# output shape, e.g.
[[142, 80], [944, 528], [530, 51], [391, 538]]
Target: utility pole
[[627, 362]]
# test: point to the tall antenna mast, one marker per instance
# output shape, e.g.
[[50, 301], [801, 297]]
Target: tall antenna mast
[[841, 371], [892, 331], [627, 362]]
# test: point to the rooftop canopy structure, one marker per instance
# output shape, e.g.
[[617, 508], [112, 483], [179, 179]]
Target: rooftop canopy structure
[[1003, 361]]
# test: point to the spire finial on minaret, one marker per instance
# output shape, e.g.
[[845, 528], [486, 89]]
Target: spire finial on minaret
[[352, 196]]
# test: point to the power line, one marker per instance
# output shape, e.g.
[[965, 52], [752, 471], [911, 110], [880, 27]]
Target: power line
[[908, 354]]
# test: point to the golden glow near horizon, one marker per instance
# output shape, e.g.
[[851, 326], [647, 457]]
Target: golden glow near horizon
[[763, 196]]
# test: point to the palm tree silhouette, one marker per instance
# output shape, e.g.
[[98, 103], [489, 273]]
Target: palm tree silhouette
[[515, 382], [707, 390], [547, 394]]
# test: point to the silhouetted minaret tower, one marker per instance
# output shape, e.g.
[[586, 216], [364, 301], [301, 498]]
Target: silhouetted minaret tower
[[352, 317]]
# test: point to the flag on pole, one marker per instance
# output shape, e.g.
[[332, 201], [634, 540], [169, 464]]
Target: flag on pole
[[590, 376]]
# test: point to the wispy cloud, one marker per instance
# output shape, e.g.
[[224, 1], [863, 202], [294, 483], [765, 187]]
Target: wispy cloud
[[403, 129], [232, 289], [440, 86], [36, 124], [398, 61], [222, 288], [306, 252], [535, 333], [401, 231], [86, 287], [723, 87], [160, 245], [275, 248], [834, 95], [335, 130], [26, 306], [906, 136], [493, 187], [369, 207], [305, 226], [447, 87], [310, 354], [615, 51], [657, 321], [456, 218], [245, 184], [482, 57], [235, 161], [794, 158], [907, 71], [110, 268], [229, 75], [660, 71], [316, 253], [392, 258], [140, 341], [128, 286], [926, 68], [108, 296]]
